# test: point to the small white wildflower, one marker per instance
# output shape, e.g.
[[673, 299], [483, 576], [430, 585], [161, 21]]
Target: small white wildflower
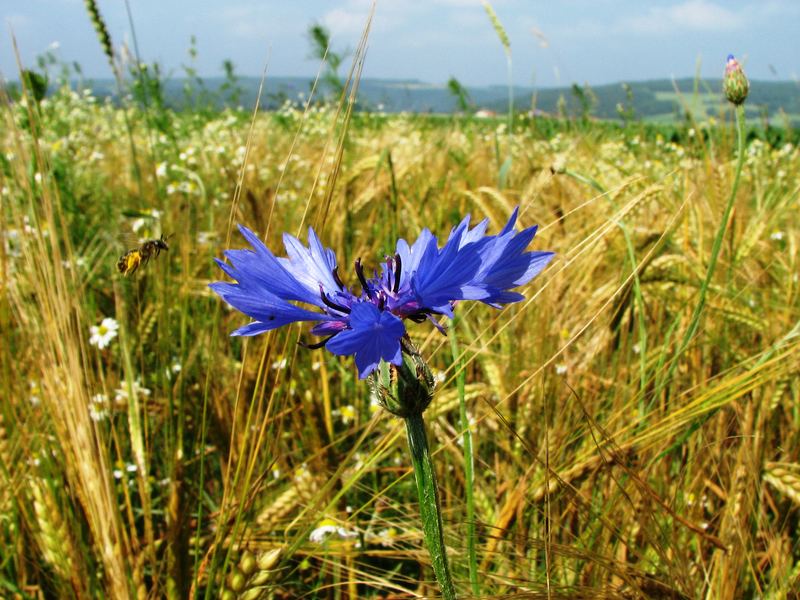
[[101, 335], [346, 413], [561, 369], [96, 156], [302, 474], [374, 405], [776, 236], [326, 528], [386, 537], [37, 177], [316, 365], [130, 468], [137, 224], [205, 237], [279, 365], [321, 533], [636, 348], [187, 187], [121, 394], [98, 407], [35, 398], [117, 473], [439, 377], [161, 169]]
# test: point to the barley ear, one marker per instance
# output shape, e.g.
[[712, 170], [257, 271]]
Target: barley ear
[[102, 30]]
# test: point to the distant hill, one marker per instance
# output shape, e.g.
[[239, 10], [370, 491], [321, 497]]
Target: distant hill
[[659, 100]]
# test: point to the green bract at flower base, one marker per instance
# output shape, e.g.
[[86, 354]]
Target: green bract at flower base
[[406, 390]]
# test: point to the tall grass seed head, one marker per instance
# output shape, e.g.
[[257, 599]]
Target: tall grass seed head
[[735, 84]]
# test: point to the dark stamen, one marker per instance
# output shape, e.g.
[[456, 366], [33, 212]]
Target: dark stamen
[[381, 300], [336, 277], [362, 279], [331, 304], [397, 268], [315, 345]]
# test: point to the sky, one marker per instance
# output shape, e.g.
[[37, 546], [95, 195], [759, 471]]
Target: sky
[[553, 42]]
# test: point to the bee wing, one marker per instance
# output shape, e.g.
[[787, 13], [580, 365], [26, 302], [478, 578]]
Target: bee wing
[[127, 239], [136, 227]]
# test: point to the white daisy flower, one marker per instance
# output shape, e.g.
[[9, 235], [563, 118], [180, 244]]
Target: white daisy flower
[[98, 407], [121, 394], [101, 335], [328, 527]]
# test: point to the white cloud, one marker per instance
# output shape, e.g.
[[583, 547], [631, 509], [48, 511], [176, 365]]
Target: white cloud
[[459, 3], [17, 21], [243, 21], [693, 15], [343, 21]]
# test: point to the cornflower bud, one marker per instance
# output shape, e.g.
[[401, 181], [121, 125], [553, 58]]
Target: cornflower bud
[[735, 84], [406, 390]]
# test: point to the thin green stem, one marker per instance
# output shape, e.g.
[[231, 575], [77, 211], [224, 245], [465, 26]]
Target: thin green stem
[[469, 460], [429, 508], [694, 324], [510, 97]]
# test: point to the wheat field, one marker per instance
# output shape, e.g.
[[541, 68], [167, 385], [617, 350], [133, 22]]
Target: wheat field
[[144, 453]]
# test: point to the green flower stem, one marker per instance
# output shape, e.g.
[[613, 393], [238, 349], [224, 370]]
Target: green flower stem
[[429, 508], [723, 226], [469, 469], [694, 324]]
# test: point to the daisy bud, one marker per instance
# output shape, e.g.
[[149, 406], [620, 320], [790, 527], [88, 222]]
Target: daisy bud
[[735, 84]]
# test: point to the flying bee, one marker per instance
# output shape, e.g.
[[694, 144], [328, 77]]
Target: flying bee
[[136, 257]]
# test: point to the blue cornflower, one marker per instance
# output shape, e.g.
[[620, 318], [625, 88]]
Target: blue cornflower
[[419, 282]]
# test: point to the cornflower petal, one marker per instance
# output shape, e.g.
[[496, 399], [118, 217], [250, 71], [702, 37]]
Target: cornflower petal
[[447, 275], [374, 335], [505, 264], [260, 265], [264, 306], [467, 236], [412, 255], [312, 266]]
